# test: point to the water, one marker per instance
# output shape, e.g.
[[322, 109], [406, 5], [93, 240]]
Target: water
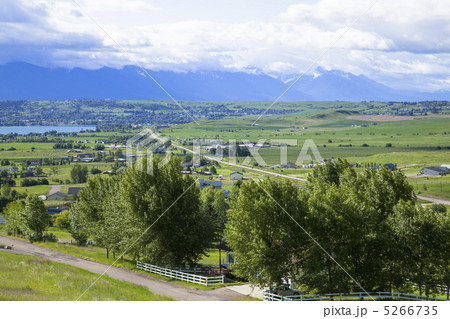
[[42, 129]]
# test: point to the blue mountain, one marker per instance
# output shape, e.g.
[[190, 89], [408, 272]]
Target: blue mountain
[[22, 81]]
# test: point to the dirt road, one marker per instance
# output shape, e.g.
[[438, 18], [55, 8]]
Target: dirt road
[[157, 286], [434, 200]]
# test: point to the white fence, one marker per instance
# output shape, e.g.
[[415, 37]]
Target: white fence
[[267, 295], [181, 275]]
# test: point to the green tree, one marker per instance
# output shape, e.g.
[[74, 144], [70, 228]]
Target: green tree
[[267, 243], [38, 171], [36, 218], [88, 212], [62, 220], [79, 174], [167, 203], [419, 232], [14, 215], [213, 204]]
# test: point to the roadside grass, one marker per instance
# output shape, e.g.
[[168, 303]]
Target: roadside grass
[[61, 233], [33, 278], [33, 190], [97, 254]]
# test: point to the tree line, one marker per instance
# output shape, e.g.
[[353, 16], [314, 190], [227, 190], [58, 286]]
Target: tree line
[[346, 231]]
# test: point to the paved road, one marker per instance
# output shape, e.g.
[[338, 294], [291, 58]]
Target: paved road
[[212, 158], [157, 286], [434, 200]]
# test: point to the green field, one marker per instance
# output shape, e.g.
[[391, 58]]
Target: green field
[[34, 278]]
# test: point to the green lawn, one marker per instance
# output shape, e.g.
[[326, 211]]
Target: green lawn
[[34, 278]]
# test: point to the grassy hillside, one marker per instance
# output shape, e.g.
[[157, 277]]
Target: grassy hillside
[[33, 278]]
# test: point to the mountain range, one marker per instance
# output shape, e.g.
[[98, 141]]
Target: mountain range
[[23, 81]]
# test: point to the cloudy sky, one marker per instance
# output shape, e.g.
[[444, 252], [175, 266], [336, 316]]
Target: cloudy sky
[[403, 43]]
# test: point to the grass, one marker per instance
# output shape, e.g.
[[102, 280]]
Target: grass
[[60, 233], [97, 254], [34, 278]]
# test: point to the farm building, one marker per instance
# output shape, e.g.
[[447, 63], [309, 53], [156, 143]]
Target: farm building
[[203, 184], [74, 190], [434, 170], [236, 176], [57, 196]]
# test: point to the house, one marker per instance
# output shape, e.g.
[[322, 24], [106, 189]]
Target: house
[[81, 156], [236, 176], [28, 174], [443, 165], [186, 172], [390, 166], [87, 159], [57, 196], [435, 170], [14, 169], [74, 190], [203, 184], [208, 173], [288, 165], [226, 193], [5, 169]]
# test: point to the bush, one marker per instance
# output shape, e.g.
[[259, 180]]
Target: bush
[[50, 238], [95, 171]]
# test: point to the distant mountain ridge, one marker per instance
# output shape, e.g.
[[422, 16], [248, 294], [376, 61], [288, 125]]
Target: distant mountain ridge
[[22, 81]]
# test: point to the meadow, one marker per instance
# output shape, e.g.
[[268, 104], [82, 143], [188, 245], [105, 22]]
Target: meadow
[[33, 278]]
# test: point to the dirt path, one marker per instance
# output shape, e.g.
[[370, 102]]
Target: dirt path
[[435, 200], [55, 188], [157, 286]]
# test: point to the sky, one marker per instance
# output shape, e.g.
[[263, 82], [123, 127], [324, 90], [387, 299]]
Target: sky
[[404, 44]]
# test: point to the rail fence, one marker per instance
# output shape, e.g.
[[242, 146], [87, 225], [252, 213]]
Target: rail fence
[[269, 296], [181, 275]]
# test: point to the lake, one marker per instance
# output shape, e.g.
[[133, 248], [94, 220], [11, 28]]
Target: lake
[[42, 129]]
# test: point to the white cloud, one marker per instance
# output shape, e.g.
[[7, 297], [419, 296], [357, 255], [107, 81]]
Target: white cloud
[[393, 42]]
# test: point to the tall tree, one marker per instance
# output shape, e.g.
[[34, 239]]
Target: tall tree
[[36, 218], [419, 231], [213, 204], [79, 173], [267, 243], [14, 215]]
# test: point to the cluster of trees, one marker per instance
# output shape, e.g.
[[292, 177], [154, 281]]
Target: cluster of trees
[[28, 218], [161, 217], [367, 223], [7, 195], [79, 174], [27, 182]]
